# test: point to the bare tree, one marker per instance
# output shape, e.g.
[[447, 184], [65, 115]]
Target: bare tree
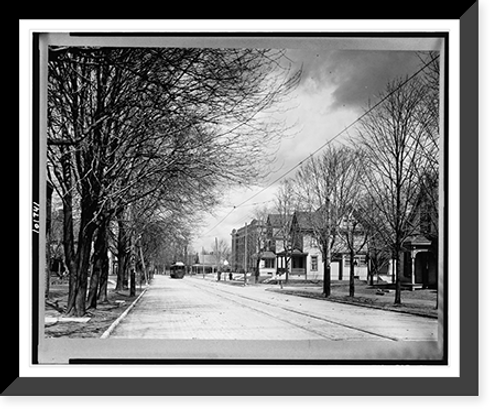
[[286, 204], [392, 137], [118, 118], [429, 118], [260, 214], [379, 251], [330, 188], [221, 252]]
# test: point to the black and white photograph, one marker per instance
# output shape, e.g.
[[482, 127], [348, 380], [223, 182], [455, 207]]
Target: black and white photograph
[[238, 198]]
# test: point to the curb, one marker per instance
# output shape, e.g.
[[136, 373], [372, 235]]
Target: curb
[[106, 334]]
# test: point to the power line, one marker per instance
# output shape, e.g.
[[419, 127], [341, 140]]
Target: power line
[[326, 143]]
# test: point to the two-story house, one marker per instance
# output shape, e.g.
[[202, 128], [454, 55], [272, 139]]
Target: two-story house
[[306, 231], [293, 245]]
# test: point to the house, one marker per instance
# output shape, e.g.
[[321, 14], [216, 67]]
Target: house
[[282, 252], [420, 258], [247, 243], [307, 257], [208, 264], [280, 245]]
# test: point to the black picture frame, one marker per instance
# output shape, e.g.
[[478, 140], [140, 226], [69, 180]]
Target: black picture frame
[[467, 384]]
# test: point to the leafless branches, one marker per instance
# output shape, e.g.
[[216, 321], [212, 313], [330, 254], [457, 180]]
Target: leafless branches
[[375, 193], [156, 130], [399, 151]]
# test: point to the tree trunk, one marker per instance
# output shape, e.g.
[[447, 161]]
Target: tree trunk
[[99, 264], [133, 268], [257, 270], [103, 282], [145, 271], [68, 235], [326, 269], [132, 276], [397, 298], [122, 252], [48, 239], [69, 251], [326, 279], [132, 282], [351, 275], [370, 268], [77, 305]]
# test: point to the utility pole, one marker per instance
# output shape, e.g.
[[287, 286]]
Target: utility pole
[[218, 257], [327, 272], [245, 268]]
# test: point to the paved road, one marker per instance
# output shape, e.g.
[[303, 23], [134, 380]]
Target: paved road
[[196, 308]]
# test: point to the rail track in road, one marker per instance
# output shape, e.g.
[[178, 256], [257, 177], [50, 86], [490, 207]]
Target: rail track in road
[[292, 316]]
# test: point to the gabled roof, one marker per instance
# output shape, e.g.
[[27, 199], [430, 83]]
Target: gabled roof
[[306, 221], [273, 220]]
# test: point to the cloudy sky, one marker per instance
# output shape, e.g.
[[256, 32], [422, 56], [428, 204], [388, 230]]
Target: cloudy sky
[[333, 92]]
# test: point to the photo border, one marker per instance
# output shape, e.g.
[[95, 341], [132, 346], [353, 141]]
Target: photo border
[[134, 351], [226, 383]]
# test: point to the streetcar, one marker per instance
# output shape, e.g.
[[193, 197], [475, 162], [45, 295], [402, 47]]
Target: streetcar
[[177, 270]]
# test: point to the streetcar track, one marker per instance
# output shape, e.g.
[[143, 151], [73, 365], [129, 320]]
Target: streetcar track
[[217, 293]]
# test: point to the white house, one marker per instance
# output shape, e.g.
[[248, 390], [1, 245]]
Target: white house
[[306, 246]]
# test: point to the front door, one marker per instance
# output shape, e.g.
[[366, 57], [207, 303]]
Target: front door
[[422, 269], [336, 270]]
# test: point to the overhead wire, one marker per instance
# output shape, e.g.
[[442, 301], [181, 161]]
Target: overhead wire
[[344, 130]]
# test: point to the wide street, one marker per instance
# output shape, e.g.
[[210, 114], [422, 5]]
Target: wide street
[[204, 309]]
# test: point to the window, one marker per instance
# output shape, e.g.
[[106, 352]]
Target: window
[[297, 262], [314, 263], [359, 261], [268, 263]]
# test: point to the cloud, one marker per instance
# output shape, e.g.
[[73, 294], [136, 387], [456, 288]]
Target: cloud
[[357, 75], [335, 87]]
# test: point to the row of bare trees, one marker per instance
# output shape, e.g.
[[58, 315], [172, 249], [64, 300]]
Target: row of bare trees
[[143, 140], [362, 195]]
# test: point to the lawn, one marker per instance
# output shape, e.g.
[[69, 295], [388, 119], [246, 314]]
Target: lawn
[[419, 301]]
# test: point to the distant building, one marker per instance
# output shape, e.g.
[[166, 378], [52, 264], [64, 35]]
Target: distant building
[[207, 264], [247, 243], [271, 244]]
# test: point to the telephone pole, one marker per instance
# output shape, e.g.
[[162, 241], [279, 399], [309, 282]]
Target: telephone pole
[[203, 260], [245, 268], [327, 254]]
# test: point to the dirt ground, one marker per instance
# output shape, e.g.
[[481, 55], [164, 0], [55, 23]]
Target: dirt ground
[[100, 318]]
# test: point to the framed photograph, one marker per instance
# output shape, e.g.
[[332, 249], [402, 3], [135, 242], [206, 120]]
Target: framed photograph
[[244, 202]]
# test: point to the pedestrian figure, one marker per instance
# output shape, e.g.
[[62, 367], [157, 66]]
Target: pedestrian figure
[[218, 275], [230, 276]]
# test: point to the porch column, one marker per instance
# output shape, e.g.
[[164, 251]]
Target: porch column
[[413, 256]]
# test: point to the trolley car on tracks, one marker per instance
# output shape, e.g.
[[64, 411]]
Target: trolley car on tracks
[[177, 270]]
